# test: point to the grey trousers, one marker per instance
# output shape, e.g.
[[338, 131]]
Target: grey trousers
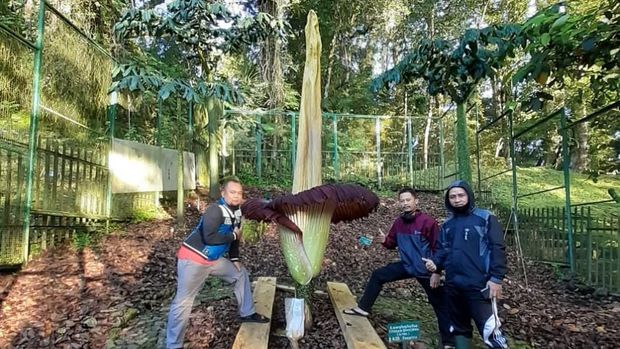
[[190, 279]]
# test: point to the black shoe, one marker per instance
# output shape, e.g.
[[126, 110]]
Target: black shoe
[[256, 317]]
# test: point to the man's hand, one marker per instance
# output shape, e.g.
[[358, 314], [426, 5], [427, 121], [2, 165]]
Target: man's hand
[[495, 290], [435, 280], [381, 237], [430, 265], [237, 265], [237, 232]]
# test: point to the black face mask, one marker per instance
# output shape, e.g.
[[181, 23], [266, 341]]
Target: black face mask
[[461, 210], [408, 216]]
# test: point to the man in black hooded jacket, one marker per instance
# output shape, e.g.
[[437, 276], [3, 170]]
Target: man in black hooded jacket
[[472, 252]]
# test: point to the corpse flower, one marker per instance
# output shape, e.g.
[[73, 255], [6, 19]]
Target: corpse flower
[[304, 216]]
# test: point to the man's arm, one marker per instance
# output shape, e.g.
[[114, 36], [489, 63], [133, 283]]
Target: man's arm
[[431, 233], [212, 220], [442, 249], [497, 267], [390, 240], [233, 252]]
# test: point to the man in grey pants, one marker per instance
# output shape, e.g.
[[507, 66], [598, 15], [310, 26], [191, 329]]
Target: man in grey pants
[[202, 255]]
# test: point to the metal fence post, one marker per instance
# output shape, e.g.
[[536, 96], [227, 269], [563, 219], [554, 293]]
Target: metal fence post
[[159, 117], [409, 142], [111, 124], [259, 147], [513, 166], [34, 119], [336, 160], [442, 164], [378, 141], [566, 170], [409, 149]]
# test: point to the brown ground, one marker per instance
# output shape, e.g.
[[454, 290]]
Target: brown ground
[[116, 294]]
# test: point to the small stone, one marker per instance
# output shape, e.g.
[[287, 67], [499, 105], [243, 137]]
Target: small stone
[[90, 322]]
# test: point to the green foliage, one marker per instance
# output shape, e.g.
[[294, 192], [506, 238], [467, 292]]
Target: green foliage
[[148, 213], [201, 34], [81, 240], [253, 231], [565, 44], [455, 71], [140, 76], [87, 238]]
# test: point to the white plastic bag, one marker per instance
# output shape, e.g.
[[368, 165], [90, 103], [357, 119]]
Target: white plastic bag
[[294, 308]]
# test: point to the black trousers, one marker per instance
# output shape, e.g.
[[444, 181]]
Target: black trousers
[[395, 272], [465, 305]]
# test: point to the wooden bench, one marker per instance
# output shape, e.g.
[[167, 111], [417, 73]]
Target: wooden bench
[[256, 335], [357, 330]]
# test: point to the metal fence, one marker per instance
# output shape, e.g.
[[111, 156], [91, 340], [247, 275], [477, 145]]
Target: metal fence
[[379, 151], [597, 252], [580, 235], [57, 125]]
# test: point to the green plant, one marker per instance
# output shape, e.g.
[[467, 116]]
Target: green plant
[[253, 231], [143, 214], [81, 240]]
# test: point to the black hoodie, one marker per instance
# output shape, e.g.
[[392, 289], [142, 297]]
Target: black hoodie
[[471, 245]]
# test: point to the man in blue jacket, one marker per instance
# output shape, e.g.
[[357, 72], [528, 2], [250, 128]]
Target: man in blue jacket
[[202, 255], [472, 252], [415, 234]]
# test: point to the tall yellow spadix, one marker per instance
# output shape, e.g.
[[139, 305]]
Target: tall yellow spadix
[[308, 165]]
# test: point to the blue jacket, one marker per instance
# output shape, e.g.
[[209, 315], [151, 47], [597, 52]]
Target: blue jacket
[[213, 236], [471, 245]]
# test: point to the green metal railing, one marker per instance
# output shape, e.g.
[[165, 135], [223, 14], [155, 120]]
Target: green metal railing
[[57, 128], [264, 149], [571, 235]]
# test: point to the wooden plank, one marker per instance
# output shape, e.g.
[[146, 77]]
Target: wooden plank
[[4, 213], [19, 213], [46, 177], [71, 173], [617, 224], [91, 202], [55, 154], [256, 335], [64, 161], [9, 190], [357, 330], [36, 195]]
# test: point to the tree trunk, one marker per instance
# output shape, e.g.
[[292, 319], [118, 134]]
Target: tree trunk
[[199, 148], [579, 155], [553, 151], [271, 71], [462, 143], [430, 21], [330, 67], [214, 112], [499, 146]]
